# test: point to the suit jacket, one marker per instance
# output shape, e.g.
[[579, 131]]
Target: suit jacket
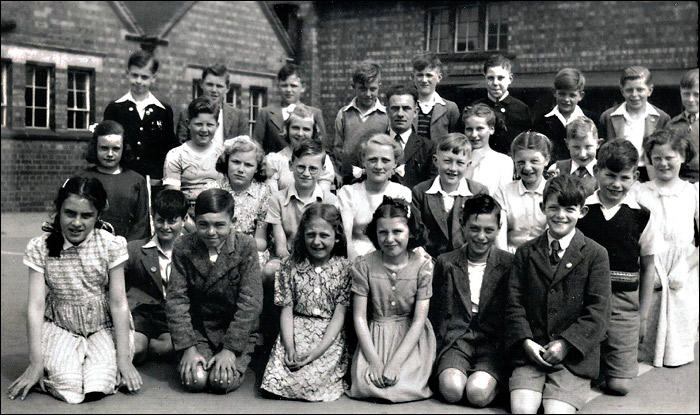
[[149, 138], [444, 229], [571, 302], [216, 303], [612, 127], [269, 129], [235, 123], [418, 158], [556, 132], [445, 119], [512, 118], [144, 284], [454, 306]]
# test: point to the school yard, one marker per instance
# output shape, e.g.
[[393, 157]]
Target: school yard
[[656, 390]]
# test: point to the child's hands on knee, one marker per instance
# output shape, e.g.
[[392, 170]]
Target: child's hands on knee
[[223, 365], [390, 375], [188, 366], [555, 351], [534, 351], [290, 359], [374, 375], [305, 359]]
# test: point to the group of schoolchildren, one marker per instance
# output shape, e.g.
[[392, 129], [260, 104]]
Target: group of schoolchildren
[[421, 251]]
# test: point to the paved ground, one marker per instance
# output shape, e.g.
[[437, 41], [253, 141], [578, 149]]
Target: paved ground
[[658, 390]]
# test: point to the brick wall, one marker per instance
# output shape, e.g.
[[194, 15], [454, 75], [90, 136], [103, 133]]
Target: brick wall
[[35, 163]]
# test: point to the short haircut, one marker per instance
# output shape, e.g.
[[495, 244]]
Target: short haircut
[[478, 205], [457, 143], [397, 208], [382, 140], [617, 155], [289, 70], [217, 69], [141, 59], [214, 201], [308, 147], [170, 204], [580, 127], [677, 138], [107, 127], [635, 72], [531, 140], [567, 188], [402, 89], [330, 214], [202, 105], [569, 79], [690, 79], [481, 111], [366, 72], [497, 61], [242, 144], [427, 60], [302, 111]]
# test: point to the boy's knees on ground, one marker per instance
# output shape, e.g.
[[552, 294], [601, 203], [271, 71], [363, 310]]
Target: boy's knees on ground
[[140, 348], [525, 401], [162, 346], [452, 384], [195, 382], [618, 386], [481, 389], [226, 387], [553, 406]]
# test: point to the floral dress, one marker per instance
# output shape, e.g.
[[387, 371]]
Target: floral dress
[[314, 292], [672, 328], [390, 305]]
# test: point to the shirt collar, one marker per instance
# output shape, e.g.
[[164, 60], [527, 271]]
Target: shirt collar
[[578, 112], [564, 241], [589, 166], [317, 194], [462, 188], [376, 107], [629, 200], [435, 98], [150, 100], [155, 243], [67, 244], [622, 110], [501, 99], [540, 188], [404, 136]]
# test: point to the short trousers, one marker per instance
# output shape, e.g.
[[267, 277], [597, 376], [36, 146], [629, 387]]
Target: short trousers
[[457, 358], [558, 383], [618, 352], [150, 320]]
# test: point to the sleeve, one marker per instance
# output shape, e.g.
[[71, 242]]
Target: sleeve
[[425, 276], [274, 210], [183, 126], [243, 124], [117, 253], [249, 301], [35, 254], [328, 173], [327, 144], [347, 209], [260, 128], [517, 327], [273, 163], [453, 117], [339, 140], [169, 128], [360, 277], [172, 168], [141, 228], [111, 112], [502, 237], [651, 241], [263, 203], [603, 125], [506, 174], [177, 303], [343, 297], [284, 284]]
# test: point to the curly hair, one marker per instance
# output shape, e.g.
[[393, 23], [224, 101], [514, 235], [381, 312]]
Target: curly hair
[[301, 111], [382, 140], [242, 144], [677, 139], [330, 214], [397, 208]]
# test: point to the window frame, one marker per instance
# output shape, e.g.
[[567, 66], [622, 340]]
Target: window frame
[[484, 13], [50, 96], [6, 93], [254, 108], [89, 97]]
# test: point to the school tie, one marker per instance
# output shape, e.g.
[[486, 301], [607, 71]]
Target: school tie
[[397, 138], [554, 254], [581, 172]]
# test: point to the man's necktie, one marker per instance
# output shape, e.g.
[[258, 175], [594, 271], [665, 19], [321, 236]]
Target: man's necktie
[[554, 254]]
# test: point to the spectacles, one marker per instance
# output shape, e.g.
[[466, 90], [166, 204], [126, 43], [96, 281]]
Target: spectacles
[[301, 169]]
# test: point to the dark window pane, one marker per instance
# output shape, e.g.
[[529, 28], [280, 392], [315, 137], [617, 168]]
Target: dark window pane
[[71, 99], [41, 77], [81, 83], [40, 118], [80, 118], [70, 123], [28, 117], [504, 36], [71, 80], [41, 97], [82, 100], [28, 97]]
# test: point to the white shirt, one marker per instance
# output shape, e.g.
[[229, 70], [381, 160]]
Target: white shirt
[[634, 126], [564, 242], [476, 278], [500, 99], [218, 139], [364, 116], [448, 199], [428, 105], [164, 260], [403, 137], [141, 105], [578, 112], [524, 219], [490, 168], [286, 111]]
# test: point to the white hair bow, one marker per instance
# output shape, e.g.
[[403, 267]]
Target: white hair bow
[[357, 172]]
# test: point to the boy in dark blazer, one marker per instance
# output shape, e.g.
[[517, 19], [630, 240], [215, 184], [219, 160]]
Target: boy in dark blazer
[[417, 151], [232, 121], [269, 128], [558, 307], [439, 201], [147, 272], [472, 281]]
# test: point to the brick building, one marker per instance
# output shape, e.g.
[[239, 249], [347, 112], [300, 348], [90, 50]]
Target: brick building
[[80, 49], [63, 62]]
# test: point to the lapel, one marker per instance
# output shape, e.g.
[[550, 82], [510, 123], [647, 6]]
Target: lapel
[[437, 209], [618, 122], [540, 257], [224, 262], [650, 124], [457, 234], [413, 144], [490, 282], [149, 259], [276, 116], [438, 111], [571, 257]]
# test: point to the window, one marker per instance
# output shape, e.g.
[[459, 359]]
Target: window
[[5, 92], [476, 27], [37, 96], [78, 103], [257, 100], [233, 96], [196, 89]]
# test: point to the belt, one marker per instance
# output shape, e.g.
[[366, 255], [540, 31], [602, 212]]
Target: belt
[[624, 281]]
